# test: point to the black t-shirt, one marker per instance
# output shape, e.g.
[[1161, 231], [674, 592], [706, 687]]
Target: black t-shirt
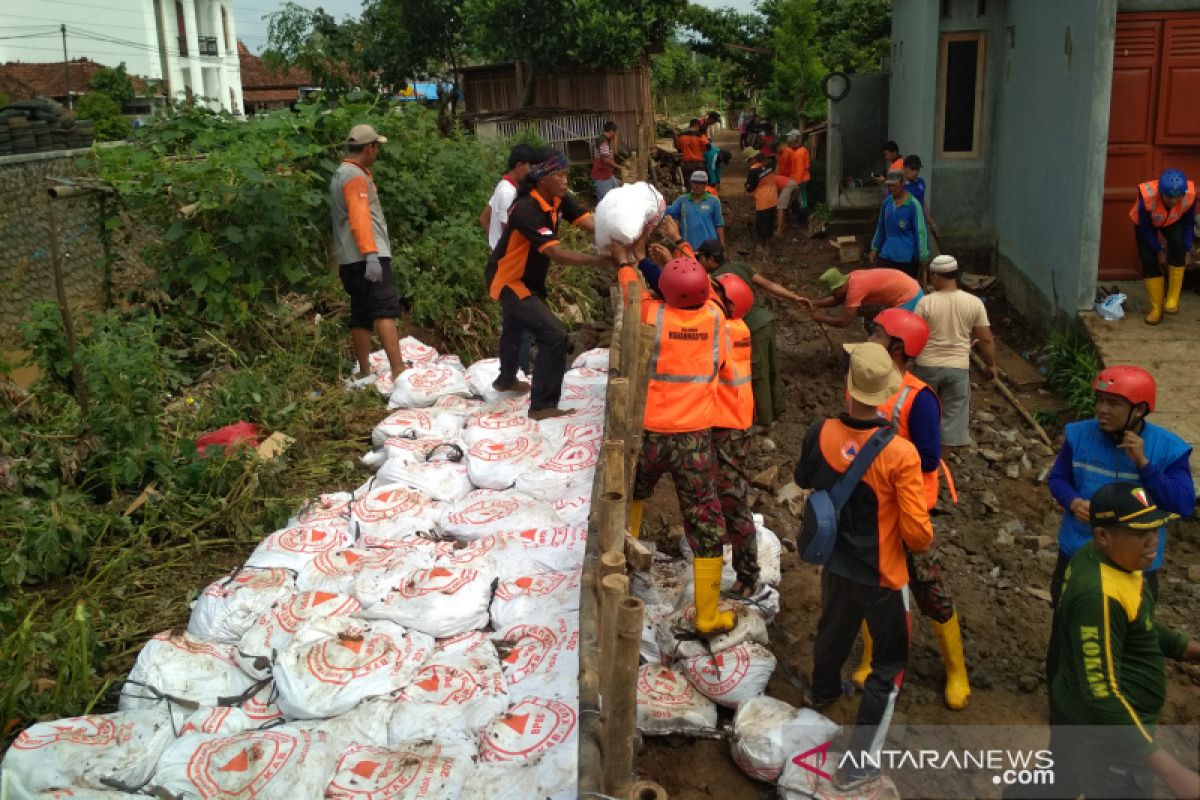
[[519, 261]]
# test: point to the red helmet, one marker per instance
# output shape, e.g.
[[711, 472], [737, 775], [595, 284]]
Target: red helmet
[[905, 326], [738, 293], [684, 283], [1133, 383]]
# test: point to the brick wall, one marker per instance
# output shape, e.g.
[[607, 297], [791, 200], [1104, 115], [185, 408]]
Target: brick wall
[[26, 269]]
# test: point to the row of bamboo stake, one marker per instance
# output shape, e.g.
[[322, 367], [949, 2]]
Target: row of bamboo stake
[[610, 619]]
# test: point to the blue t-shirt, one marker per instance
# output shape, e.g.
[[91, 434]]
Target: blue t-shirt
[[712, 163], [698, 221], [916, 189], [900, 234]]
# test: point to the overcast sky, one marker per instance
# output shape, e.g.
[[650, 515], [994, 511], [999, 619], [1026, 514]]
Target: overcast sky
[[252, 28]]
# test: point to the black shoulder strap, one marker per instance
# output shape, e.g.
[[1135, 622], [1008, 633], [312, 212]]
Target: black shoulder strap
[[841, 490]]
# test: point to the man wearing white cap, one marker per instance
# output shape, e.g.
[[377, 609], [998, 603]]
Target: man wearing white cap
[[698, 213], [364, 253], [956, 320]]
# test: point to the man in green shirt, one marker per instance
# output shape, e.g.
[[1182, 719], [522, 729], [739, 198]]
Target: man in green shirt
[[764, 363], [1106, 665]]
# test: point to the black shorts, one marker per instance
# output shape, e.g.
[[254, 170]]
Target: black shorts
[[370, 301], [764, 224]]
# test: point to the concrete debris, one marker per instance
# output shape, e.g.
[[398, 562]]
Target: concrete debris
[[1013, 527], [985, 416], [991, 456], [766, 479], [1012, 471], [793, 497], [990, 501], [1040, 594]]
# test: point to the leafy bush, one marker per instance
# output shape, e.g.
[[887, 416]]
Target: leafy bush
[[108, 123], [1071, 365]]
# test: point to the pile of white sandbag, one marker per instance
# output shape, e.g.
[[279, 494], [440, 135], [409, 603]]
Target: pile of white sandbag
[[415, 638]]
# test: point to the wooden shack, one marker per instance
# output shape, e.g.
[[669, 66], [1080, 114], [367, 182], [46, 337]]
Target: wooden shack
[[569, 109]]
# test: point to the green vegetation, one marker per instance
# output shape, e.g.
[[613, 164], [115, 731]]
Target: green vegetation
[[1071, 365], [108, 122], [114, 82]]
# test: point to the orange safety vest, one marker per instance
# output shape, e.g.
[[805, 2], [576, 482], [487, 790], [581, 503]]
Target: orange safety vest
[[1160, 215], [689, 347], [735, 395], [896, 410]]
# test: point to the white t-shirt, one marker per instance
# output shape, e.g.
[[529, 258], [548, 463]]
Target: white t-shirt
[[952, 316], [502, 200]]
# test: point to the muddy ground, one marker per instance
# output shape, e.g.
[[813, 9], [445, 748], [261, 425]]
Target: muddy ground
[[997, 543]]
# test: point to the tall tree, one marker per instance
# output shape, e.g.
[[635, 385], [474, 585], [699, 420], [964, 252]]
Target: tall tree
[[794, 93], [741, 40], [331, 51], [114, 82], [853, 34]]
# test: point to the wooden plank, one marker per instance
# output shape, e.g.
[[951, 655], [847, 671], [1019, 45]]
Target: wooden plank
[[1020, 373]]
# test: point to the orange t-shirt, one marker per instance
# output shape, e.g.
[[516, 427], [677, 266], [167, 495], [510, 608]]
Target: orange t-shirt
[[879, 287], [691, 146]]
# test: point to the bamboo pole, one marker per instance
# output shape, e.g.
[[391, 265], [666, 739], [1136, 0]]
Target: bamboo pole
[[591, 761], [616, 411], [64, 307], [612, 522], [637, 405], [614, 466], [620, 705], [613, 589], [611, 564], [647, 790]]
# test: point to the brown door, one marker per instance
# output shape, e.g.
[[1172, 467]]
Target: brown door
[[1154, 122]]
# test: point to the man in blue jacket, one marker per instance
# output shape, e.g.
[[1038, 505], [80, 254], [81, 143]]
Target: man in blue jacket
[[1118, 445]]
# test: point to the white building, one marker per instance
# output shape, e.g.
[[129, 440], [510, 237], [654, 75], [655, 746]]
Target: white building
[[191, 45]]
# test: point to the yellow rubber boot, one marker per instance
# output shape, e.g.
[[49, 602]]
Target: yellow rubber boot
[[859, 676], [635, 517], [706, 573], [958, 688], [1155, 288], [1174, 287]]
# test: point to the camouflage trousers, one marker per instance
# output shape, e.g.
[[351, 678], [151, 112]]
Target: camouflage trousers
[[733, 490], [692, 464], [927, 582]]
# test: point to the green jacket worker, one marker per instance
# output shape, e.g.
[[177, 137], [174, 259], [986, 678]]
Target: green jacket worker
[[1105, 668]]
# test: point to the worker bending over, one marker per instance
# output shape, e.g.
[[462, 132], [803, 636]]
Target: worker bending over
[[886, 288], [1164, 216]]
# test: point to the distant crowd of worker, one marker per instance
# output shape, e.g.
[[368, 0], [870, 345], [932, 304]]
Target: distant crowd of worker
[[715, 381]]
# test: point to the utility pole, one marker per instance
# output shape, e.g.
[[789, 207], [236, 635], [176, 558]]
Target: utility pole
[[66, 65]]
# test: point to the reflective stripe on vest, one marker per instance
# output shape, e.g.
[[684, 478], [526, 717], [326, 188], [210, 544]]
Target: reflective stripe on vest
[[899, 406], [1160, 215], [684, 363], [735, 397], [667, 377]]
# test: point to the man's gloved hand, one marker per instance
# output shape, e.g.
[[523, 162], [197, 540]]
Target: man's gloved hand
[[374, 271]]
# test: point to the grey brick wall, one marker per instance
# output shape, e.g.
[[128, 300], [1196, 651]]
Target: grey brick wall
[[26, 269]]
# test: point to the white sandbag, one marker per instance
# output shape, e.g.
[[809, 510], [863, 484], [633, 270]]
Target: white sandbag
[[575, 510], [731, 676], [498, 425], [596, 358], [327, 510], [566, 473], [404, 448], [440, 601], [262, 709], [767, 731], [182, 667], [748, 627], [535, 597], [459, 405], [222, 720], [665, 583], [450, 360], [292, 548], [365, 724], [444, 481], [227, 608], [415, 770], [332, 664], [625, 213], [652, 617], [484, 512], [273, 631], [483, 373], [414, 352], [800, 781], [496, 464], [282, 763], [541, 660], [539, 550], [571, 428], [334, 571], [420, 387], [584, 382], [100, 751], [667, 703], [388, 513], [533, 727], [769, 552], [463, 643], [418, 423], [455, 695]]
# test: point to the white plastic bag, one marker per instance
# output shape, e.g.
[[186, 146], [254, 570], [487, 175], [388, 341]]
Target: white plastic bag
[[1111, 308], [652, 618], [283, 763], [293, 548], [417, 770], [420, 387], [223, 720], [596, 358], [101, 751], [388, 513], [444, 481], [227, 608], [497, 464], [625, 213], [273, 631], [182, 667], [541, 660], [454, 695], [333, 664], [536, 597], [769, 551], [483, 373], [731, 676], [484, 512], [767, 731], [667, 703], [440, 601]]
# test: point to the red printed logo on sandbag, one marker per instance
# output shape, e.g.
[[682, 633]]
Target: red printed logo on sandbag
[[538, 585], [409, 418], [338, 563], [90, 731], [531, 644], [261, 708], [456, 554], [196, 647], [351, 655], [574, 456], [663, 686], [483, 512], [307, 540], [325, 507], [530, 728], [431, 378], [385, 504], [491, 450], [299, 607], [501, 421], [415, 352], [437, 580], [579, 433], [249, 578], [719, 674], [243, 765], [441, 685], [380, 773], [549, 537]]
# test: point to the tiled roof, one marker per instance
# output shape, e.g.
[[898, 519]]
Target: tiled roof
[[22, 81], [271, 95], [256, 75]]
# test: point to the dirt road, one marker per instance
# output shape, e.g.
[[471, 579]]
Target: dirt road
[[998, 546]]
